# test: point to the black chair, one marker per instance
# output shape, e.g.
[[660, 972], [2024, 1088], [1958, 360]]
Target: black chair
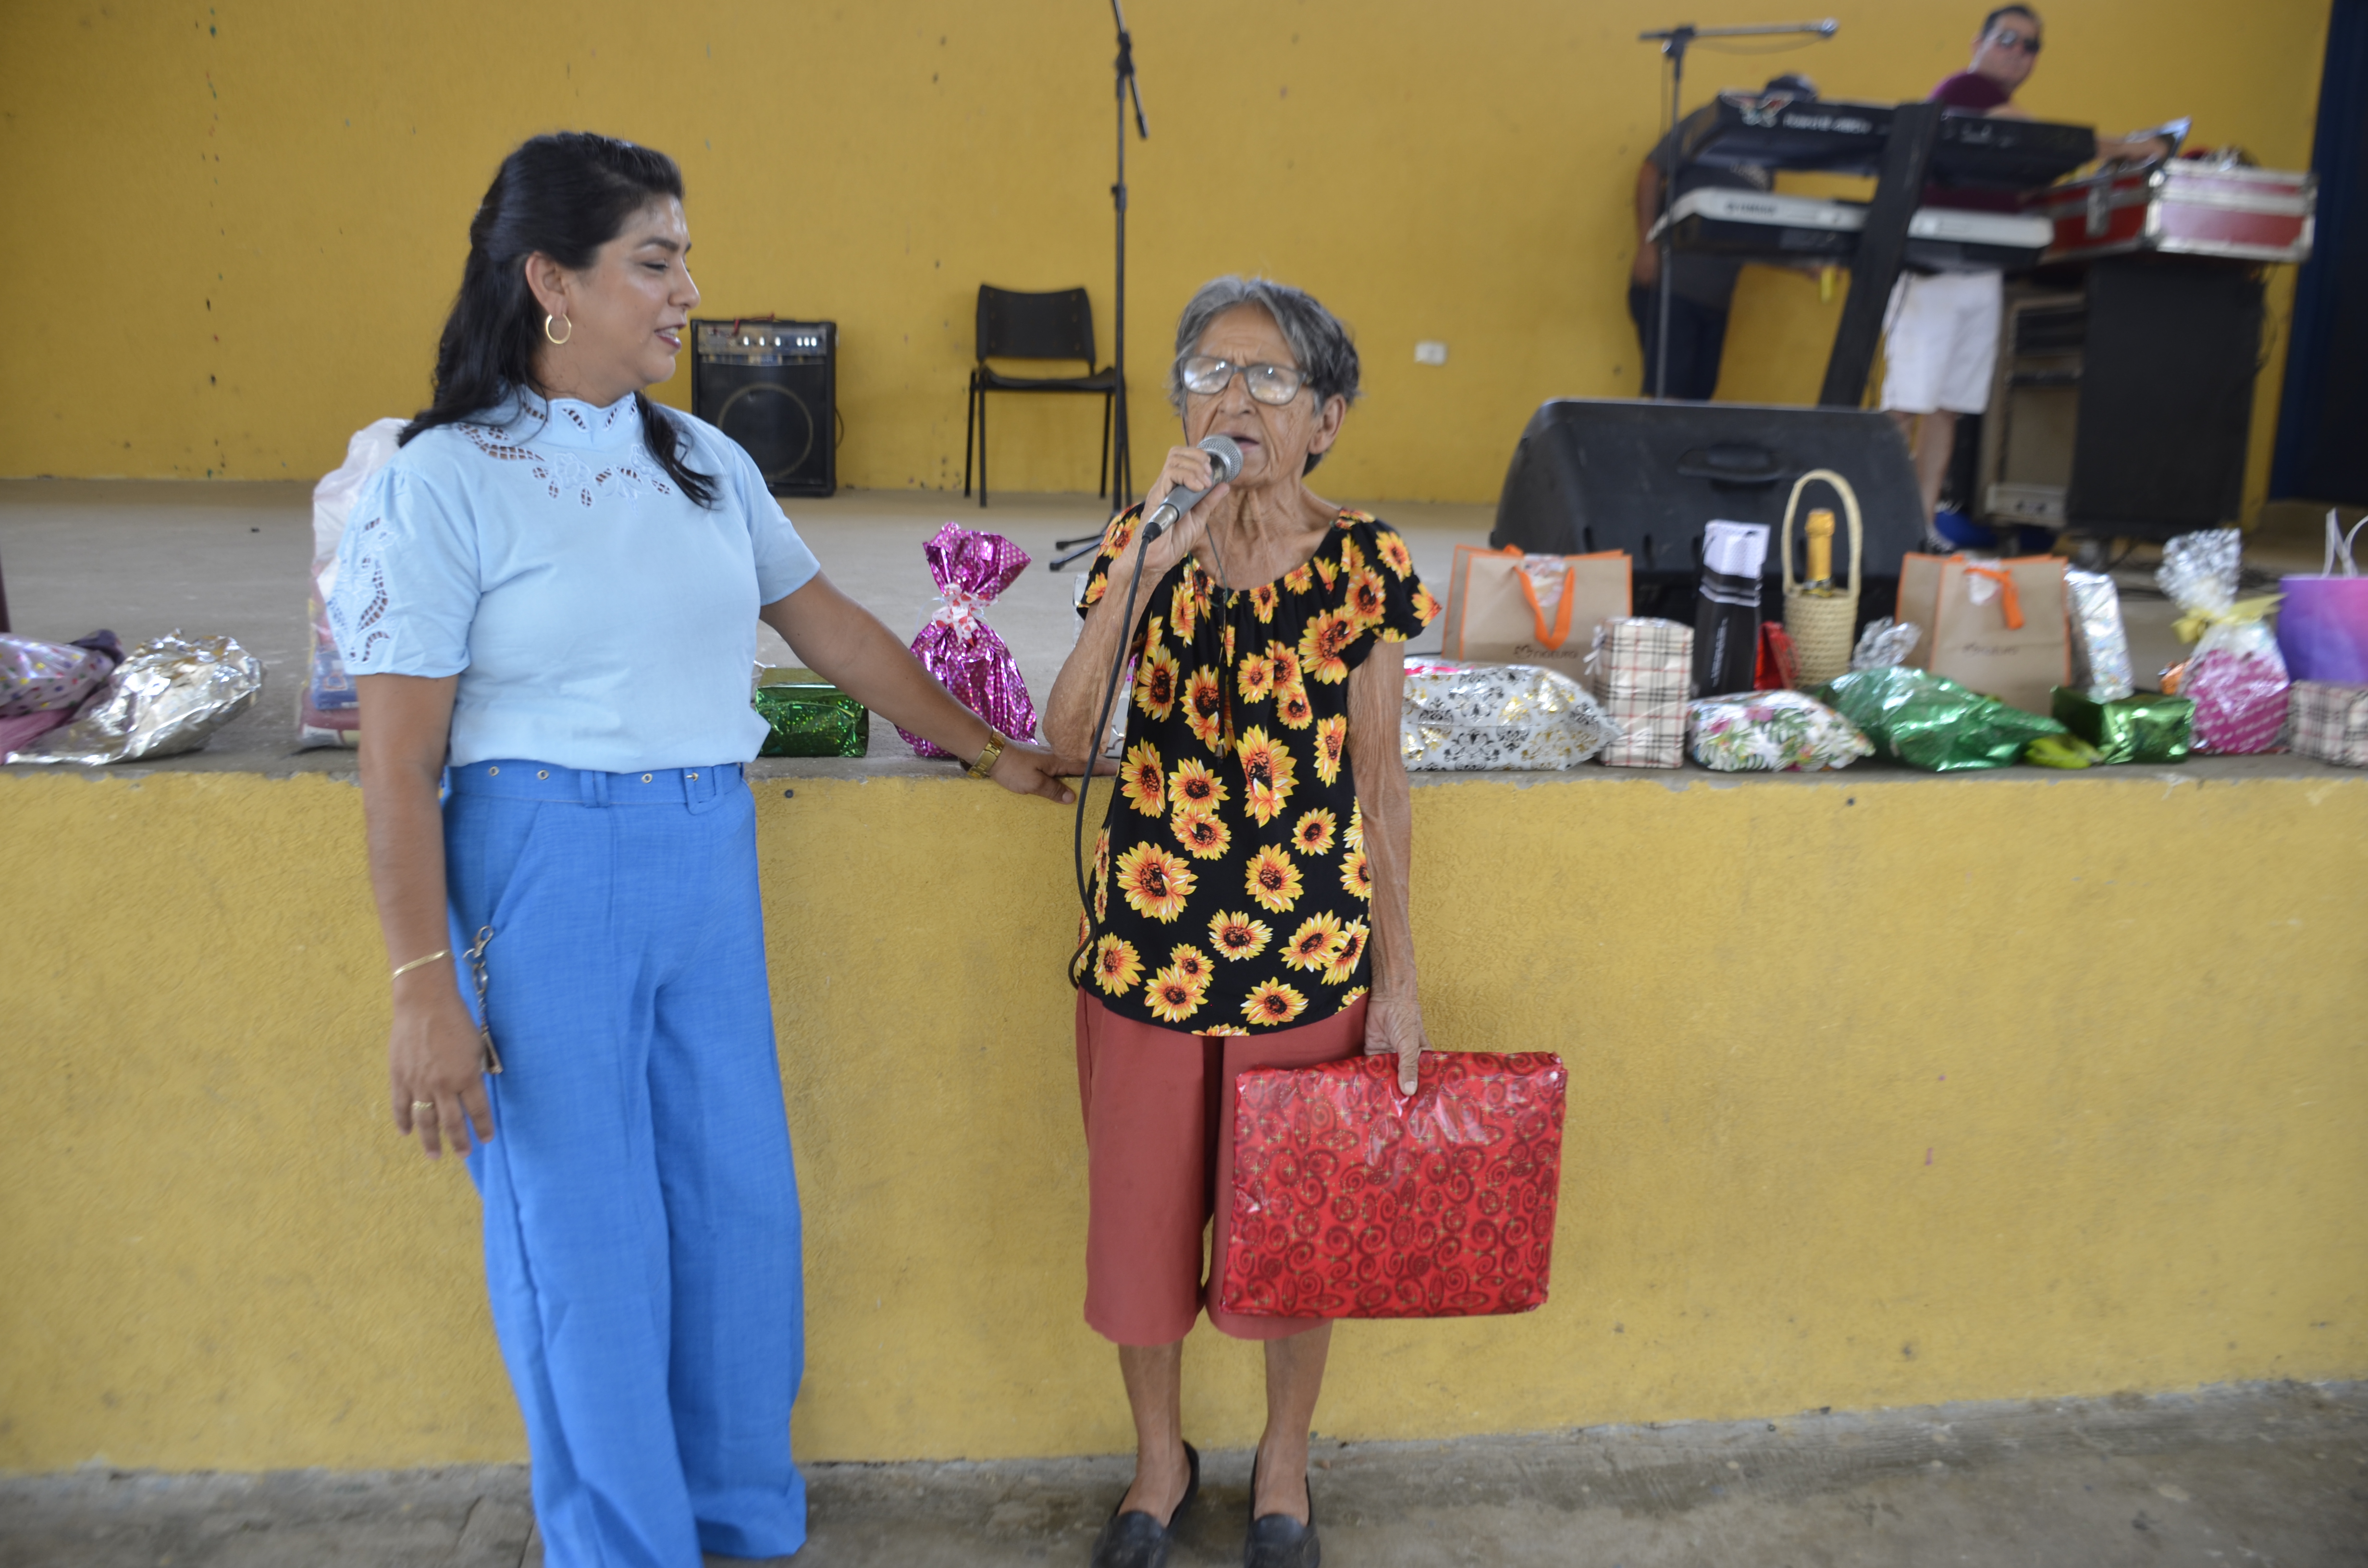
[[1059, 326]]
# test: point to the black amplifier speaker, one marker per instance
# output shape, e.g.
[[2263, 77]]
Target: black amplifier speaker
[[1644, 476], [2172, 345], [772, 386]]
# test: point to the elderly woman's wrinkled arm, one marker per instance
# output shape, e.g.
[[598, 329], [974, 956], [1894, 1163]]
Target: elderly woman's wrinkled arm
[[1392, 1013], [1077, 690]]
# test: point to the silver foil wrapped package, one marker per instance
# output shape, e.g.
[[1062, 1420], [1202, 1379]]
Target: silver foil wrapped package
[[1885, 642], [1487, 718], [2100, 647], [167, 697]]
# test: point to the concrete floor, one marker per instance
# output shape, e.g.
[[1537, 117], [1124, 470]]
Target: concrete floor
[[2274, 1475]]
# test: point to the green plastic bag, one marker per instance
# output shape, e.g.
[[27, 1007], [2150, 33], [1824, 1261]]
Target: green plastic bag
[[2144, 726], [807, 716], [1929, 721]]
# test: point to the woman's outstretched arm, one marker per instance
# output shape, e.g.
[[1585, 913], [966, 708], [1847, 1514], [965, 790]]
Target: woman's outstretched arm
[[847, 645], [434, 1053], [1077, 690]]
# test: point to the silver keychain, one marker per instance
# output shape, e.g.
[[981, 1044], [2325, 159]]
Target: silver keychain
[[476, 956]]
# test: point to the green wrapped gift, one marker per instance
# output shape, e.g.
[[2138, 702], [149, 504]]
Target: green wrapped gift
[[807, 716], [2144, 727], [1929, 721]]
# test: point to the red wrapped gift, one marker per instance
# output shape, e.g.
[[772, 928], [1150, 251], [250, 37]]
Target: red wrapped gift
[[1351, 1201]]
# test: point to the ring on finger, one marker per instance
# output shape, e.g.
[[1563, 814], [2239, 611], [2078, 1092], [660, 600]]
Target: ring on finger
[[427, 1106]]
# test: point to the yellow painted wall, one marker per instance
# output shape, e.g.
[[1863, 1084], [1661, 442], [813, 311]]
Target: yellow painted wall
[[1883, 1091], [249, 216]]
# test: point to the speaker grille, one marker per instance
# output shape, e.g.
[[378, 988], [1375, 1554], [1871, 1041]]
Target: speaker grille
[[771, 386]]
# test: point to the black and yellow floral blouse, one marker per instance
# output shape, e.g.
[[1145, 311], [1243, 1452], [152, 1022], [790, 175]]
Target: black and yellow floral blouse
[[1233, 838]]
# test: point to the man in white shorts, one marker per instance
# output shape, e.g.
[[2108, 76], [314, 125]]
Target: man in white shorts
[[1941, 329]]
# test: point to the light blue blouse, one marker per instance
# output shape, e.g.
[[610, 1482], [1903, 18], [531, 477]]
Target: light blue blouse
[[596, 617]]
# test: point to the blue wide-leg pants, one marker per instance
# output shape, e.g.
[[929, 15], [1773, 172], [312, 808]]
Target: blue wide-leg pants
[[641, 1234]]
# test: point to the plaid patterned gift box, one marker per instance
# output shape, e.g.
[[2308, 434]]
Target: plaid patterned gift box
[[2327, 721], [1640, 672]]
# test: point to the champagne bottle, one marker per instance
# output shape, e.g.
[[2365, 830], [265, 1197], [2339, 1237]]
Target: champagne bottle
[[1821, 554]]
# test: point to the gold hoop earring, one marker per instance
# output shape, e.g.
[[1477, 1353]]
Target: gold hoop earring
[[557, 342]]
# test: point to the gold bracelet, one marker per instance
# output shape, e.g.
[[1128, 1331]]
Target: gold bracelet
[[985, 765], [421, 963]]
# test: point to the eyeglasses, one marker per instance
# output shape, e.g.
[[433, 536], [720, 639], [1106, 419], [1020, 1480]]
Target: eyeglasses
[[2007, 38], [1275, 384]]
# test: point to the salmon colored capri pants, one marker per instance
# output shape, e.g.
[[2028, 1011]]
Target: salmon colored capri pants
[[1159, 1151]]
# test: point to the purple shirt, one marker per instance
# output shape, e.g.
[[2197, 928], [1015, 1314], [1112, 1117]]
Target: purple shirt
[[1970, 90], [1971, 93]]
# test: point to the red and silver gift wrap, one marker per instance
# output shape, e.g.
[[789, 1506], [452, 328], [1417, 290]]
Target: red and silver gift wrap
[[961, 649], [2186, 207], [1353, 1200]]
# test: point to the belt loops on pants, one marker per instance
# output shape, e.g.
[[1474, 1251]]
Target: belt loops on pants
[[592, 785]]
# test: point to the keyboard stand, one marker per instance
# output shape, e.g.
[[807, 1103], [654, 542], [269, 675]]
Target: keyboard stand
[[1882, 247]]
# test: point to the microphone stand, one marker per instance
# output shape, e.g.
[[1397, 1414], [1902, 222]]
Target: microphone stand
[[1121, 450], [1674, 42]]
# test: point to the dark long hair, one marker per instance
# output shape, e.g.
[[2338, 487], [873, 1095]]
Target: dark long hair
[[566, 195]]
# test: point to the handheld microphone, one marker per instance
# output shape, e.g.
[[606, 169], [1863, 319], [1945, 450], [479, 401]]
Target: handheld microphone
[[1225, 461]]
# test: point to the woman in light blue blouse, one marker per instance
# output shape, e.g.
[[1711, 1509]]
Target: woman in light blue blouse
[[552, 592]]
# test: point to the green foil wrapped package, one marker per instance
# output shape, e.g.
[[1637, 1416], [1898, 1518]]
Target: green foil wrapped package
[[1929, 721], [2144, 727], [807, 716]]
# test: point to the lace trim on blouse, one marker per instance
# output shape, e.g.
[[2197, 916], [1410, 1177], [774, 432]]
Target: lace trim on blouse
[[357, 607], [565, 474]]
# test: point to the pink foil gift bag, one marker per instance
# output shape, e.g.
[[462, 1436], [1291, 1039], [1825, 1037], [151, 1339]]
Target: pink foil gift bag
[[958, 647]]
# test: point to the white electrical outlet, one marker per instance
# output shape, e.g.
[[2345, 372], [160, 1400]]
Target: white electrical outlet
[[1431, 351]]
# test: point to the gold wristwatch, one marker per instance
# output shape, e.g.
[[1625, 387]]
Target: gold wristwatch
[[985, 766]]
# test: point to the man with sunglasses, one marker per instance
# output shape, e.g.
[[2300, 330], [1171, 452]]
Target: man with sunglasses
[[1942, 331]]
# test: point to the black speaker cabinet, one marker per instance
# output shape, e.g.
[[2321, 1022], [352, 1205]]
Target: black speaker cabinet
[[772, 386], [2165, 394], [1644, 476], [2124, 405]]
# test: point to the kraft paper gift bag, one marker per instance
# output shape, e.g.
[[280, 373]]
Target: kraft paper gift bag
[[1506, 608], [1999, 628], [1920, 595]]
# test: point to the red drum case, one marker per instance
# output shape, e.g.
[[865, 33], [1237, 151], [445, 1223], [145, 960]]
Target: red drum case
[[2185, 207], [1352, 1200]]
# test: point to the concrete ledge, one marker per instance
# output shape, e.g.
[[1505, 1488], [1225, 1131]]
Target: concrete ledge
[[1882, 1094], [338, 763]]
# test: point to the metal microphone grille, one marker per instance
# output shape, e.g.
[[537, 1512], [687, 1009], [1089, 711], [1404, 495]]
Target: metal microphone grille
[[1225, 458]]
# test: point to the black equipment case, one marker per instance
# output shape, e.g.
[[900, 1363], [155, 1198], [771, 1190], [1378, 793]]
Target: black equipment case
[[1644, 476], [773, 386]]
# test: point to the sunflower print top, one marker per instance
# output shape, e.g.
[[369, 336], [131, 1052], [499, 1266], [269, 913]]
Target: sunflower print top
[[1231, 891]]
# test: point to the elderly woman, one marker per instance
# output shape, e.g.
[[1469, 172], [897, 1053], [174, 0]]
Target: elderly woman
[[551, 598], [1250, 882]]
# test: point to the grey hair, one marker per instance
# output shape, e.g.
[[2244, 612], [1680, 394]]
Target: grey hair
[[1326, 353]]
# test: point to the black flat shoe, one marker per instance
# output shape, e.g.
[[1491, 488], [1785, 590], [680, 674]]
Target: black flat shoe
[[1135, 1540], [1277, 1540]]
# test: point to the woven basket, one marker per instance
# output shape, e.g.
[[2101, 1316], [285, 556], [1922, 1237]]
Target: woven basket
[[1821, 627]]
